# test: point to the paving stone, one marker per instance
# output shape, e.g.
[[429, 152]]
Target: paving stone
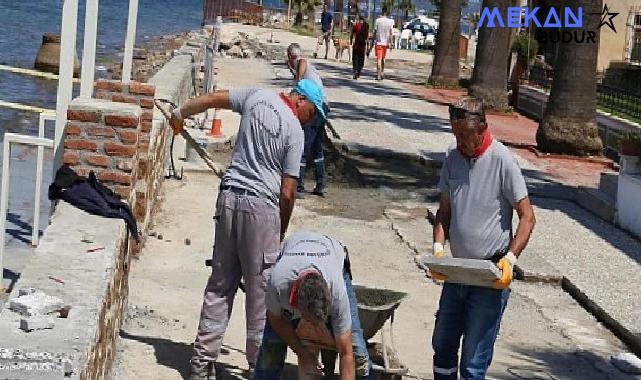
[[464, 271], [37, 303], [37, 322]]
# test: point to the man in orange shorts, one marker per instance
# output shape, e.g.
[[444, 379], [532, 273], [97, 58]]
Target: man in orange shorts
[[381, 40]]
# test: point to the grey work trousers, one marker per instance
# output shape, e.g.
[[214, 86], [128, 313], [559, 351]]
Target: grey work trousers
[[247, 244]]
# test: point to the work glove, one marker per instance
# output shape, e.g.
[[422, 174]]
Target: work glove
[[176, 122], [438, 251], [506, 266]]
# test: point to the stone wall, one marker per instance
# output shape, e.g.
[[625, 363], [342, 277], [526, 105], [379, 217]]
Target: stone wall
[[84, 259]]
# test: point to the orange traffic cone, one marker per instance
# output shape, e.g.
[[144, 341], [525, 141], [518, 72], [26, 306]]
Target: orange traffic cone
[[216, 125]]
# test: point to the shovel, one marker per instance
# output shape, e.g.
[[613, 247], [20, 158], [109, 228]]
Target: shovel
[[190, 140]]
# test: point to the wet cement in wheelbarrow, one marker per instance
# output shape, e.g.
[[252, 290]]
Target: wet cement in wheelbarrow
[[377, 297]]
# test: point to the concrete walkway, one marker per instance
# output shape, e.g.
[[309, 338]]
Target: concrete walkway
[[544, 335]]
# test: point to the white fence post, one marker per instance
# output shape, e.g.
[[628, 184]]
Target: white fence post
[[65, 80], [89, 50], [129, 42]]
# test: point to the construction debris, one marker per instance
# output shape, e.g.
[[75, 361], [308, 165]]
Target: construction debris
[[36, 303], [37, 322]]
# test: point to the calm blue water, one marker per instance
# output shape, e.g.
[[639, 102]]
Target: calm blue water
[[25, 21]]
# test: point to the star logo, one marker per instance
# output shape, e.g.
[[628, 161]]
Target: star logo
[[606, 18]]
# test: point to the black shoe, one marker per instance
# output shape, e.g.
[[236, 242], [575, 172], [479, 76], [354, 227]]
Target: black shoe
[[300, 194], [318, 192], [355, 76]]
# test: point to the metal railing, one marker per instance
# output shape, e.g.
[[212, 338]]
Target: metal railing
[[618, 102], [41, 143]]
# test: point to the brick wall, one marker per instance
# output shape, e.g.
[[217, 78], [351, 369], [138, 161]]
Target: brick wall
[[150, 153], [103, 136]]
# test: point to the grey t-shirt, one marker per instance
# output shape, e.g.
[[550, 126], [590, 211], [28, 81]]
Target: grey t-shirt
[[269, 143], [307, 250], [482, 194], [311, 73]]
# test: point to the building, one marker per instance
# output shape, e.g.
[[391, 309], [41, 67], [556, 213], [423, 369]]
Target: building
[[624, 45]]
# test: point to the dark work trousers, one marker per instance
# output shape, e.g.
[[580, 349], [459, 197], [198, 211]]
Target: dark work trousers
[[358, 61]]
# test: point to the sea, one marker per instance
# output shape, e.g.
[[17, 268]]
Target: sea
[[22, 25]]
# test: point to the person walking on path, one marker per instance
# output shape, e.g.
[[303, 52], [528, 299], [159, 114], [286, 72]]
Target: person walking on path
[[481, 184], [310, 299], [301, 68], [381, 40], [254, 205], [358, 40], [327, 22]]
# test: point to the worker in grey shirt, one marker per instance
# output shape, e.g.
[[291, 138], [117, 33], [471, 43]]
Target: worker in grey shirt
[[481, 184], [301, 68], [253, 208], [310, 295]]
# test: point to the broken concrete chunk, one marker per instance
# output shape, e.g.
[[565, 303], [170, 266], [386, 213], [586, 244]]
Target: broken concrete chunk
[[37, 303], [627, 362], [37, 322], [26, 291]]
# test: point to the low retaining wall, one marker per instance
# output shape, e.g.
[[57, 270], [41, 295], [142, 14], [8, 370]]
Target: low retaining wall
[[84, 259], [532, 103]]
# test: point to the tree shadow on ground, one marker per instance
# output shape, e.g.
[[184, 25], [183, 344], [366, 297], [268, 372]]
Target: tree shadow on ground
[[555, 363], [176, 355]]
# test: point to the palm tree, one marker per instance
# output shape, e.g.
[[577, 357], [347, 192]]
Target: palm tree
[[569, 123], [445, 69], [405, 7], [489, 79], [303, 6]]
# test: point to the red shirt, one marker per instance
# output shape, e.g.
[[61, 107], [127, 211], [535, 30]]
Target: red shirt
[[360, 32]]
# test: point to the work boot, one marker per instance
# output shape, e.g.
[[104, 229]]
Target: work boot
[[318, 191]]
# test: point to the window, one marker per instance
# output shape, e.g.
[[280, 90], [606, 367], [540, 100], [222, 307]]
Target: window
[[637, 21]]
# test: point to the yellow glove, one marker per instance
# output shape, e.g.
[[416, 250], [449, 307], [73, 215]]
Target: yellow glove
[[437, 248], [506, 266]]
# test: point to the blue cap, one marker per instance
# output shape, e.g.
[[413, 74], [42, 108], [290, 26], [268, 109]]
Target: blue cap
[[312, 92]]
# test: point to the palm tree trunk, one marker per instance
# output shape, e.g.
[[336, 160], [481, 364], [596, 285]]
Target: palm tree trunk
[[445, 69], [569, 123], [489, 79]]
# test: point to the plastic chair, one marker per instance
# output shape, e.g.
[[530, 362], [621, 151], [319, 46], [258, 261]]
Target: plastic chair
[[404, 41], [420, 39]]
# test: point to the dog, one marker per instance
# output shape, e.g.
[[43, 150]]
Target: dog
[[341, 44]]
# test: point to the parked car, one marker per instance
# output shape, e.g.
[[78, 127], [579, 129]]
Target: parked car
[[427, 32]]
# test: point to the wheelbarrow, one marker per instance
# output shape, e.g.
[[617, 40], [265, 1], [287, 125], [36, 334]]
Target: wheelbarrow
[[375, 308]]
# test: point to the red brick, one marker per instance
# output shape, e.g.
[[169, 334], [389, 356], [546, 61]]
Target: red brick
[[147, 103], [128, 136], [122, 121], [71, 158], [109, 85], [145, 126], [125, 165], [72, 129], [147, 115], [114, 149], [119, 98], [140, 209], [79, 115], [103, 95], [102, 132], [98, 160], [81, 144], [83, 172], [143, 147], [122, 191], [142, 89], [113, 176], [143, 167]]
